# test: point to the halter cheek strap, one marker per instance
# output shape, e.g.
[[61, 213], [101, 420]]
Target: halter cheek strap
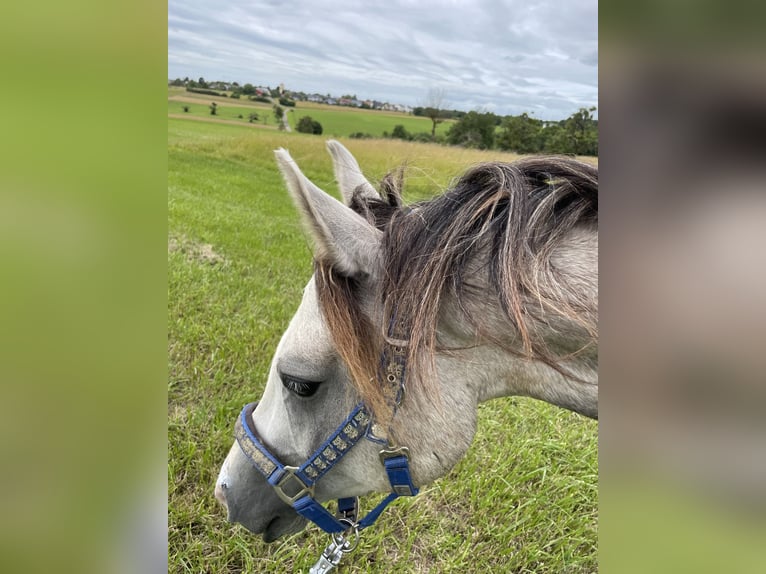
[[295, 485]]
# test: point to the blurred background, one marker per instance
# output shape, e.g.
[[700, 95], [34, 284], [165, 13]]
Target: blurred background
[[682, 437], [82, 287]]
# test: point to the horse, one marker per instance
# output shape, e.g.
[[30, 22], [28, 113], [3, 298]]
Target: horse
[[414, 315]]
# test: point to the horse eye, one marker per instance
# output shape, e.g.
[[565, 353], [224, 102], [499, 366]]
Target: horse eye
[[300, 387]]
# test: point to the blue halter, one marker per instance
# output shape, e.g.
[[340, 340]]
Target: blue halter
[[295, 485]]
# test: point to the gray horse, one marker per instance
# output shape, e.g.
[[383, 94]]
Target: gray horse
[[488, 290]]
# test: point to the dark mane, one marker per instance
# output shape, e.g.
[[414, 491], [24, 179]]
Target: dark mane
[[513, 215]]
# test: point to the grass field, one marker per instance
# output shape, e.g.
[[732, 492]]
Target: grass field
[[337, 121], [524, 499], [341, 122]]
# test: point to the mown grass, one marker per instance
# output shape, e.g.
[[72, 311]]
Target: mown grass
[[524, 499]]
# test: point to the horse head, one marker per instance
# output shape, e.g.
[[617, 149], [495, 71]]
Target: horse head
[[335, 351]]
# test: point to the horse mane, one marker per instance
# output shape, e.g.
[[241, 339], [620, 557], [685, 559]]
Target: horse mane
[[513, 215]]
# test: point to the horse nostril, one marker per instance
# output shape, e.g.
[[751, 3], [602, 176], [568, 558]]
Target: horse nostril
[[220, 493]]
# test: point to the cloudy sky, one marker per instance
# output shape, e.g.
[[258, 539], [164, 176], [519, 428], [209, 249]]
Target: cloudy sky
[[505, 56]]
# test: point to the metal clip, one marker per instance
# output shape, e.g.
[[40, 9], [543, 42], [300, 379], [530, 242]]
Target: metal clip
[[329, 559], [331, 556]]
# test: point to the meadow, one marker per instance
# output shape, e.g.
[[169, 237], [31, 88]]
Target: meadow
[[525, 497], [337, 121]]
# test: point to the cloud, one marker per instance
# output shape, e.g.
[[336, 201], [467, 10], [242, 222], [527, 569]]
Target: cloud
[[506, 55]]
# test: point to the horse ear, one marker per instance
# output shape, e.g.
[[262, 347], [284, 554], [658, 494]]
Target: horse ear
[[341, 236], [349, 174]]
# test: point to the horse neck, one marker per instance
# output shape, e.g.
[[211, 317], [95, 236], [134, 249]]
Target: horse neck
[[493, 363], [487, 371]]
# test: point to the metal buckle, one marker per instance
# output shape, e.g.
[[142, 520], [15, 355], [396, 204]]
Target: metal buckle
[[393, 452], [376, 433], [303, 488]]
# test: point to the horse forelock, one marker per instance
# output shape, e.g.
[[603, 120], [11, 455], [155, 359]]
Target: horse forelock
[[513, 215], [379, 212]]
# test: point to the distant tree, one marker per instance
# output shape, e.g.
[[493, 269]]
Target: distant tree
[[304, 125], [576, 135], [283, 101], [582, 129], [521, 134], [308, 125], [177, 82], [475, 129], [433, 108], [186, 109], [202, 91], [202, 83], [279, 112], [253, 117], [248, 89], [213, 109], [400, 132], [555, 139]]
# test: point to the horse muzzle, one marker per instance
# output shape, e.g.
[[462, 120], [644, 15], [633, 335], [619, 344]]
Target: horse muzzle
[[250, 501]]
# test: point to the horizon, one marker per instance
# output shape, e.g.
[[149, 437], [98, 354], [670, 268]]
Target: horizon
[[361, 99]]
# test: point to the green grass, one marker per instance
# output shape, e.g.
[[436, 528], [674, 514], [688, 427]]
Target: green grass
[[228, 109], [340, 121], [225, 111], [524, 499], [337, 121]]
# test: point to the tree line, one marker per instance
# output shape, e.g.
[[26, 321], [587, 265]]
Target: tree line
[[576, 135]]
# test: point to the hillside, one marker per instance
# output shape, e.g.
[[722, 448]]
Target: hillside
[[336, 121]]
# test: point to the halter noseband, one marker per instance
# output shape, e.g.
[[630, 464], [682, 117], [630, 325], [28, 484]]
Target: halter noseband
[[295, 485]]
